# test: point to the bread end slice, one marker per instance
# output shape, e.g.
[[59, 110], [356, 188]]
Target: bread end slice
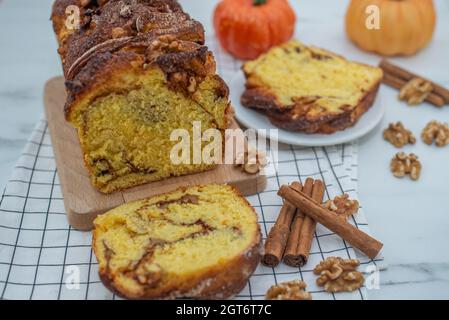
[[309, 89]]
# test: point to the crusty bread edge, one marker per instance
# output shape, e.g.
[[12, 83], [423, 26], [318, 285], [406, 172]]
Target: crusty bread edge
[[331, 123], [261, 100]]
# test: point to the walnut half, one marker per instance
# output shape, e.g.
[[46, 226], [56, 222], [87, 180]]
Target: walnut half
[[337, 275], [292, 290], [343, 206], [398, 135], [251, 161], [403, 164], [415, 91], [436, 131]]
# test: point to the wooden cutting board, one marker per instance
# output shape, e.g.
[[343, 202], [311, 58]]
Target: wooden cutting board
[[82, 202]]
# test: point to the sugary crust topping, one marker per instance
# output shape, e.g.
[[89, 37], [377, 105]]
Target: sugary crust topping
[[183, 65], [110, 13], [120, 19], [119, 35], [100, 23]]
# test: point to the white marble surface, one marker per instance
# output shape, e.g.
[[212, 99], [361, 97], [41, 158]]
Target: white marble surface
[[411, 218]]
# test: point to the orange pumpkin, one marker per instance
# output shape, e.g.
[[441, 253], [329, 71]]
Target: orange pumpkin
[[405, 26], [248, 28]]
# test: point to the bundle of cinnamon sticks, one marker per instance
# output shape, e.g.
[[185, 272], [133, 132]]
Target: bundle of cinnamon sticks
[[290, 239], [397, 77]]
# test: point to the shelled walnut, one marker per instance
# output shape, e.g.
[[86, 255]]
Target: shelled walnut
[[337, 275], [403, 164], [436, 131], [343, 206], [398, 135], [292, 290], [415, 91], [251, 161]]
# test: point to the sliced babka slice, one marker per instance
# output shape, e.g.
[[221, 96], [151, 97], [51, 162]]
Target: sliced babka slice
[[308, 89], [197, 242]]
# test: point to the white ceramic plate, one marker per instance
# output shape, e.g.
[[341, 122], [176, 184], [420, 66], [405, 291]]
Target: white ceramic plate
[[256, 120]]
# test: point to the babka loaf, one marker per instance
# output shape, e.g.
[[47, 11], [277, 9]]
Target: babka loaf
[[308, 89], [196, 242], [136, 70]]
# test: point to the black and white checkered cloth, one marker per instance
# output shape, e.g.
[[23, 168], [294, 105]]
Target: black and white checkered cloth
[[40, 252], [42, 257]]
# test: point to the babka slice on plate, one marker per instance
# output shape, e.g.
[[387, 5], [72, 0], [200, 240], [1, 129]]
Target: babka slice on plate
[[136, 70], [197, 242], [308, 89]]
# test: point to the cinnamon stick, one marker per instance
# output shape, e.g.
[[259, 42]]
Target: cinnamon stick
[[309, 226], [398, 83], [360, 240], [291, 257], [279, 233], [398, 72]]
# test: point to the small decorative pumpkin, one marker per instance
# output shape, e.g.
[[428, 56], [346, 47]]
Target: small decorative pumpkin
[[248, 28], [405, 26]]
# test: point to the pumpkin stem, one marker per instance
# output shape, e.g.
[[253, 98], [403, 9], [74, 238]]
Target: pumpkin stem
[[259, 2]]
